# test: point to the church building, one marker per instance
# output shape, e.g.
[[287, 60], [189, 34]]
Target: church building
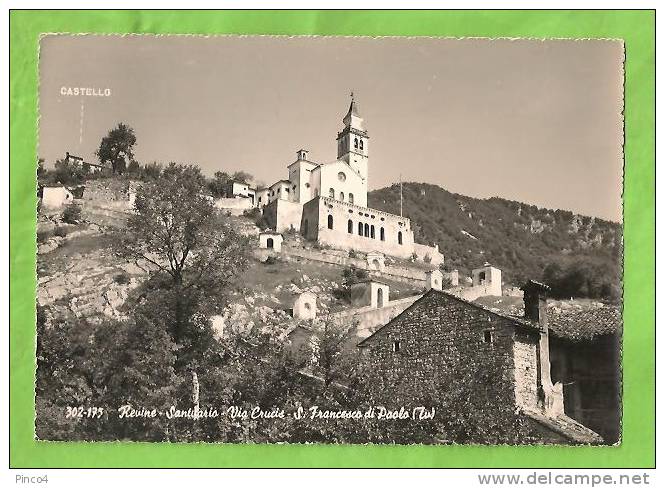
[[327, 202]]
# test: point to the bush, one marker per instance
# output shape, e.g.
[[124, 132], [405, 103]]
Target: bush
[[343, 294], [414, 257], [61, 231], [72, 214], [352, 275], [121, 278], [353, 253], [427, 258], [43, 236], [270, 260]]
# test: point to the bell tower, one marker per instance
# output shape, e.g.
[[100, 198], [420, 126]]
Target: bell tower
[[352, 141]]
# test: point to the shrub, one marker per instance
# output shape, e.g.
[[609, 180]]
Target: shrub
[[343, 294], [414, 257], [61, 231], [72, 214], [352, 275], [44, 236], [353, 253], [270, 260], [427, 258], [121, 278]]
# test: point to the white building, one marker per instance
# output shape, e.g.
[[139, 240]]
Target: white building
[[327, 202]]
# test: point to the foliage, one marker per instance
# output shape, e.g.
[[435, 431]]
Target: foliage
[[520, 239], [72, 214], [151, 171], [219, 184], [121, 278], [117, 148], [582, 277], [196, 253], [256, 215], [352, 275], [43, 236], [64, 173], [61, 231], [134, 168]]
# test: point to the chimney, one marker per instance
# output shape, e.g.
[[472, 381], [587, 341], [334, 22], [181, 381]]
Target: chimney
[[535, 302], [535, 310]]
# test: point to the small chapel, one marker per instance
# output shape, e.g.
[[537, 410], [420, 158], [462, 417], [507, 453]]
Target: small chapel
[[327, 202]]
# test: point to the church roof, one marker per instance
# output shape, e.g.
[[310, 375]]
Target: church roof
[[353, 109]]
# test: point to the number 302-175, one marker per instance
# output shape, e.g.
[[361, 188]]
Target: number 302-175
[[82, 412]]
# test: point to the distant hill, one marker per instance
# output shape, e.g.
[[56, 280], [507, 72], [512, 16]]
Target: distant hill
[[523, 240]]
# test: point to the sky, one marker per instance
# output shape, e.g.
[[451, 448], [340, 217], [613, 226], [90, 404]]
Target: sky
[[528, 120]]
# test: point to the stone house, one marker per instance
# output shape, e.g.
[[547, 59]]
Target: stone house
[[489, 368]]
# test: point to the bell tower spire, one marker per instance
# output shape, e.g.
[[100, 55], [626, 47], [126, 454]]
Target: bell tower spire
[[352, 141]]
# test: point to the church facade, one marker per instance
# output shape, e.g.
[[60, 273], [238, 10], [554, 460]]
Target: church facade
[[327, 202]]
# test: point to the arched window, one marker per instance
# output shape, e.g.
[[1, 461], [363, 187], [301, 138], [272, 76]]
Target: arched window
[[366, 230], [379, 298], [350, 226], [350, 197], [270, 243], [371, 232], [383, 234], [361, 143], [360, 228], [330, 221], [355, 143], [341, 196], [331, 193], [399, 237]]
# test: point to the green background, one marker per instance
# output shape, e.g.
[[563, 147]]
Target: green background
[[637, 28]]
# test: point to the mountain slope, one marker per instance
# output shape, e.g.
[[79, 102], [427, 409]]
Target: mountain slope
[[520, 239]]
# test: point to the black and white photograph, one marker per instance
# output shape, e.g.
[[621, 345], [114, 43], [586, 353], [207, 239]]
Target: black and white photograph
[[330, 240]]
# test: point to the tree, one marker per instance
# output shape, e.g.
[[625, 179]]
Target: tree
[[41, 171], [134, 167], [242, 176], [331, 364], [117, 148], [219, 184], [151, 171], [195, 251]]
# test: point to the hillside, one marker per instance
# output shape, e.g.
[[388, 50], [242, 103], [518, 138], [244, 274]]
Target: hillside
[[520, 239]]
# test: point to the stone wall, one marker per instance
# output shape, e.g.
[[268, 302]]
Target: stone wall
[[460, 350], [525, 353], [116, 192], [415, 276], [234, 205], [369, 319], [436, 258]]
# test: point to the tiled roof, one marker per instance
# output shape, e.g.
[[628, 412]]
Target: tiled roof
[[584, 325], [573, 320], [573, 324]]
